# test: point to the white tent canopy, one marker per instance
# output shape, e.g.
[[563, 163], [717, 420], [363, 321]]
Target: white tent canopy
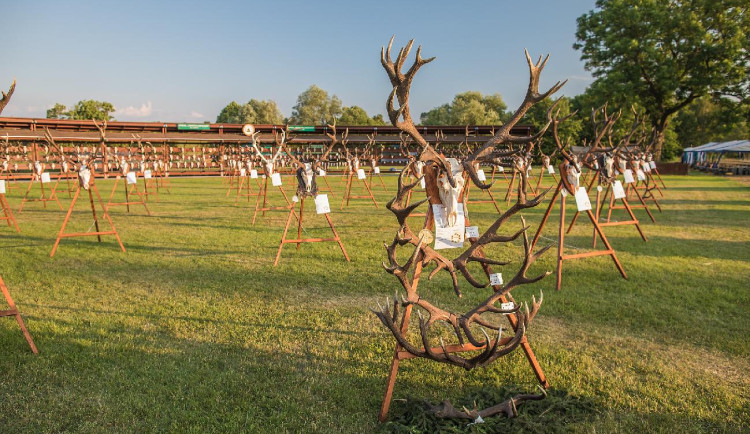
[[700, 153]]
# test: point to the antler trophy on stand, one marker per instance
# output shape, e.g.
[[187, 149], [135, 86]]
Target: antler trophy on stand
[[444, 179], [270, 172]]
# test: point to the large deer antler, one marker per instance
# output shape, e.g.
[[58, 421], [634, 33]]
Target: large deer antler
[[6, 96]]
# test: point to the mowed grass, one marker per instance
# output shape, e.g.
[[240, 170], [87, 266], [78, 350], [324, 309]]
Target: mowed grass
[[194, 330]]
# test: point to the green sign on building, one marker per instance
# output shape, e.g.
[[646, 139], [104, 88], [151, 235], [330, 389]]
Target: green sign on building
[[302, 128], [193, 127]]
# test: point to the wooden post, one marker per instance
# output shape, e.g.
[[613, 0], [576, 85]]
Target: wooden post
[[13, 311]]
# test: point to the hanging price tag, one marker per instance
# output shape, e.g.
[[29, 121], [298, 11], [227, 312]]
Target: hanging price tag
[[496, 279], [472, 231], [617, 190], [2, 186], [480, 174], [45, 177], [377, 170], [582, 199], [131, 178], [321, 204], [361, 174], [253, 174], [652, 164], [641, 176], [628, 176], [147, 174], [276, 179], [550, 170]]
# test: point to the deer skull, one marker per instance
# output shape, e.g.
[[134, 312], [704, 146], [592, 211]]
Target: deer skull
[[306, 185], [84, 176], [448, 194], [38, 168]]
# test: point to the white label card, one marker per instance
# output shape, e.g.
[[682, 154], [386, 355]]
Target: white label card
[[361, 174], [276, 179], [377, 170], [147, 174], [472, 231], [295, 199], [2, 186], [131, 178], [550, 170], [496, 279], [449, 237], [564, 192], [321, 172], [243, 172], [480, 174], [646, 167], [628, 176], [507, 305], [45, 177], [321, 204], [500, 169], [582, 199], [617, 190], [641, 176], [422, 184], [652, 164], [253, 174]]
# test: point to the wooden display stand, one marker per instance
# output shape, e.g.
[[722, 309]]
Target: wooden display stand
[[561, 257], [128, 194], [92, 189], [265, 206], [67, 176], [348, 191], [43, 198], [8, 213], [370, 175], [245, 182], [299, 238], [13, 311], [542, 172], [642, 203], [399, 354], [515, 179], [466, 193], [150, 182]]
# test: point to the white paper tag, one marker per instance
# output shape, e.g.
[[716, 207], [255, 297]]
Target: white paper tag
[[529, 169], [628, 176], [253, 174], [321, 204], [295, 199], [377, 170], [496, 279], [2, 186], [582, 199], [596, 165], [321, 172], [500, 169], [276, 179], [641, 176], [646, 167], [147, 174], [652, 164], [509, 305], [243, 172], [564, 192], [472, 231], [550, 170], [361, 174], [599, 188], [449, 237], [422, 184], [131, 178], [45, 177], [481, 176], [617, 190]]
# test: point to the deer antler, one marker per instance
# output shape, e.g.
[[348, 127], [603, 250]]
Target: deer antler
[[6, 96]]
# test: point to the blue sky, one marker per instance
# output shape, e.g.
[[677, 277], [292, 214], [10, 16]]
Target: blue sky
[[184, 61]]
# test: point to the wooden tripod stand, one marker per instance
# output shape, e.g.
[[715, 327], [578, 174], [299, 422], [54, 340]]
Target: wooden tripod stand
[[400, 354], [348, 190], [245, 182], [299, 238], [43, 198], [266, 206], [7, 212], [98, 232], [128, 194], [13, 311], [561, 237], [467, 191], [372, 178]]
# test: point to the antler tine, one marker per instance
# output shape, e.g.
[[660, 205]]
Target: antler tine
[[6, 96], [281, 143], [254, 138]]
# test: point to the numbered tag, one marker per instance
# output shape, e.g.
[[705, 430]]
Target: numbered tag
[[321, 172], [2, 186], [377, 170], [147, 174], [481, 176], [276, 179], [321, 204], [628, 176], [496, 279], [652, 164], [617, 190], [472, 231], [582, 199], [361, 174], [507, 305], [45, 177], [550, 170], [253, 174], [243, 172], [421, 183], [131, 178], [641, 176]]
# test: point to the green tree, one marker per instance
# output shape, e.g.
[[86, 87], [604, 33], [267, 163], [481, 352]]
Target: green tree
[[709, 120], [664, 54], [266, 112], [468, 108], [537, 116], [356, 115], [92, 109], [235, 113], [315, 107], [59, 111]]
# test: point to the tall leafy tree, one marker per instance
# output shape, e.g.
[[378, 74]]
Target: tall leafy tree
[[315, 107], [665, 54], [537, 116], [468, 108], [236, 113], [356, 115], [266, 112], [59, 111], [88, 109], [710, 120]]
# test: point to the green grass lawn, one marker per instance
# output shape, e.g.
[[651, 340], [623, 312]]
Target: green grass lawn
[[193, 329]]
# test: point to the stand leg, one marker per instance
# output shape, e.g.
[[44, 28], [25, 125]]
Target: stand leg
[[338, 239], [560, 243], [106, 216], [93, 211], [65, 222], [283, 236], [299, 221], [14, 312]]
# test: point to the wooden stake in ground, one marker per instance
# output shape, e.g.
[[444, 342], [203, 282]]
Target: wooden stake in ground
[[7, 212], [13, 311]]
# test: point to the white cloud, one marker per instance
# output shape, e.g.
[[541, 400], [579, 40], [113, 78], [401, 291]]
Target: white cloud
[[195, 114], [142, 112]]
